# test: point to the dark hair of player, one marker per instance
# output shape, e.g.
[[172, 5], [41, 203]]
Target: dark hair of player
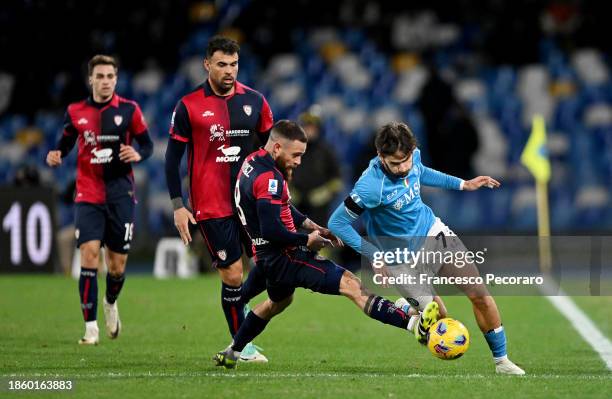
[[224, 44], [288, 130], [394, 137], [101, 59]]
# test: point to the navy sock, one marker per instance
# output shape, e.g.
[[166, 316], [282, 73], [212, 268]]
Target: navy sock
[[386, 312], [233, 306], [88, 288], [252, 326], [113, 286]]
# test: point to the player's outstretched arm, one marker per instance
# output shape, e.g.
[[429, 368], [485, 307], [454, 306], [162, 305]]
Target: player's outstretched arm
[[480, 181]]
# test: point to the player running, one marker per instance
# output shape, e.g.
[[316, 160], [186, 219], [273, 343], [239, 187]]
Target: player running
[[388, 192], [218, 122], [287, 259], [104, 126]]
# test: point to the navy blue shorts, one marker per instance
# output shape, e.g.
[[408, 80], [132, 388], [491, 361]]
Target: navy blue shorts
[[112, 224], [299, 268], [225, 238]]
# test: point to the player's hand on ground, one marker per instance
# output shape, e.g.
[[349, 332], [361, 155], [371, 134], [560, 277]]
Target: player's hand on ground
[[182, 217], [127, 153], [316, 241], [54, 158], [477, 182]]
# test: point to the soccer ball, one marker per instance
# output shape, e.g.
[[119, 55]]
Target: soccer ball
[[448, 339]]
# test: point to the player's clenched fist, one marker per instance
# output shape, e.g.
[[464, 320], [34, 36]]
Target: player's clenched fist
[[54, 158]]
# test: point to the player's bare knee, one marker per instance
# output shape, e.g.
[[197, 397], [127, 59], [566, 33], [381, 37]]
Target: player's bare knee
[[232, 275], [278, 307], [482, 302], [90, 255]]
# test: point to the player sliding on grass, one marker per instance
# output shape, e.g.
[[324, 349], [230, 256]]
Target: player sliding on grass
[[388, 192], [287, 259]]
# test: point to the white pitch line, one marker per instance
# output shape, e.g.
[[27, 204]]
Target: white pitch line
[[585, 327], [238, 374]]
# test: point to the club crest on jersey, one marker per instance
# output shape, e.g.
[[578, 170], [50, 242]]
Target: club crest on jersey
[[90, 137], [272, 186], [247, 109], [217, 132], [222, 254], [118, 119]]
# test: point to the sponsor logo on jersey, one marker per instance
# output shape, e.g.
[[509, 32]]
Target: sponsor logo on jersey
[[104, 155], [107, 138], [238, 133], [217, 132], [208, 113], [259, 241], [398, 204], [222, 254], [407, 197], [230, 154], [82, 121], [393, 194], [247, 109], [272, 186], [90, 137], [118, 119]]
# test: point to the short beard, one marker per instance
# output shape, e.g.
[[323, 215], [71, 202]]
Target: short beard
[[286, 172]]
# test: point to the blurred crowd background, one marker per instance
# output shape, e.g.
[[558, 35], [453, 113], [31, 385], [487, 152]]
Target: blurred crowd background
[[467, 76]]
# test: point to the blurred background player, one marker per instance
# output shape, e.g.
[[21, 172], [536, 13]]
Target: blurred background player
[[287, 259], [316, 183], [104, 125], [389, 193], [218, 122]]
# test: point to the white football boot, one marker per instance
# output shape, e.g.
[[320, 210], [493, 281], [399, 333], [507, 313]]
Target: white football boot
[[92, 334], [252, 354], [111, 317], [506, 366]]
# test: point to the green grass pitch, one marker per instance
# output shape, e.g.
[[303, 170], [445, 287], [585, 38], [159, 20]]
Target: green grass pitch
[[320, 347]]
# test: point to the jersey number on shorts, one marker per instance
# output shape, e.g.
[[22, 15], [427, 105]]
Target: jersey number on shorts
[[129, 231], [443, 237]]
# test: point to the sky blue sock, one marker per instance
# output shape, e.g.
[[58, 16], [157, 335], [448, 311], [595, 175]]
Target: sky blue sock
[[497, 342]]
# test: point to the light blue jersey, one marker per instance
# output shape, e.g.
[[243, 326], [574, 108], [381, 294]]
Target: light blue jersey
[[392, 206]]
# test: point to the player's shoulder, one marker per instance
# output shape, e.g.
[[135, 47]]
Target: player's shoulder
[[195, 93], [243, 89], [126, 101], [416, 155], [370, 184], [77, 106]]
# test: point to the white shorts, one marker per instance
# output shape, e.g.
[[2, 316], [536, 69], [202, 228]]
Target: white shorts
[[440, 241]]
